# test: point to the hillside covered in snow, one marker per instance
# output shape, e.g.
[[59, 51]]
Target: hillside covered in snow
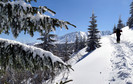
[[110, 64]]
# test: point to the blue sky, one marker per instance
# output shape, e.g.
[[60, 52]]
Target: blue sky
[[78, 12]]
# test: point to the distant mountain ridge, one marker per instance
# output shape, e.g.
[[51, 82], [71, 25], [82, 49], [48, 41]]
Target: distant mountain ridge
[[71, 37]]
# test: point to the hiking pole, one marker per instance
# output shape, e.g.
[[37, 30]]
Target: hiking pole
[[122, 35], [114, 36]]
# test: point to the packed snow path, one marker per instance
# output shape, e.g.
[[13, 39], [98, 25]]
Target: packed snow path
[[110, 64], [122, 63]]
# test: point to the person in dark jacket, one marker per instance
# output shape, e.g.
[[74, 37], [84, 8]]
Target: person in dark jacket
[[118, 34]]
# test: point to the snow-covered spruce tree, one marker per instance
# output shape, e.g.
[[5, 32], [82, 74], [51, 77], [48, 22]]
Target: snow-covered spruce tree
[[19, 15], [66, 51], [131, 9], [123, 25], [48, 40], [120, 24], [82, 43], [21, 63], [76, 44], [114, 29], [130, 19], [93, 38], [79, 43], [127, 23]]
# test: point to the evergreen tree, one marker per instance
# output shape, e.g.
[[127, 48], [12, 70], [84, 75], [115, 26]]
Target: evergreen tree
[[19, 15], [130, 19], [123, 25], [76, 44], [15, 59], [114, 29], [66, 51], [131, 9], [79, 43], [120, 24], [127, 24], [20, 62], [82, 43], [48, 40], [93, 38]]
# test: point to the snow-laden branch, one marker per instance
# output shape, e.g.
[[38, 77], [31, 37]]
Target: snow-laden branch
[[21, 56], [16, 57], [21, 16]]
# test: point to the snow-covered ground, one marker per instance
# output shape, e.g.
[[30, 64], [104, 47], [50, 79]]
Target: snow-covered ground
[[77, 56], [110, 64]]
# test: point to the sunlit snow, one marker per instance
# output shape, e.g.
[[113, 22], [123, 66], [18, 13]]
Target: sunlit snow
[[110, 64]]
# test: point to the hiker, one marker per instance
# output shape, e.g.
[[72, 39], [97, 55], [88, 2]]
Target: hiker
[[118, 34]]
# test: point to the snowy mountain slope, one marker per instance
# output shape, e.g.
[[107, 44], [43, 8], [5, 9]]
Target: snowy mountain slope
[[72, 36], [77, 56], [110, 64], [94, 68]]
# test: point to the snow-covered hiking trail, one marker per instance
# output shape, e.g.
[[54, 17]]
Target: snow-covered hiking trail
[[110, 64], [122, 63]]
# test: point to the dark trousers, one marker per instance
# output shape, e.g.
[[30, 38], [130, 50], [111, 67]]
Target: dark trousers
[[118, 38]]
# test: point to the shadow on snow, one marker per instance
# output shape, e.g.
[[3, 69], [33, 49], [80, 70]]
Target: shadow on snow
[[84, 56]]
